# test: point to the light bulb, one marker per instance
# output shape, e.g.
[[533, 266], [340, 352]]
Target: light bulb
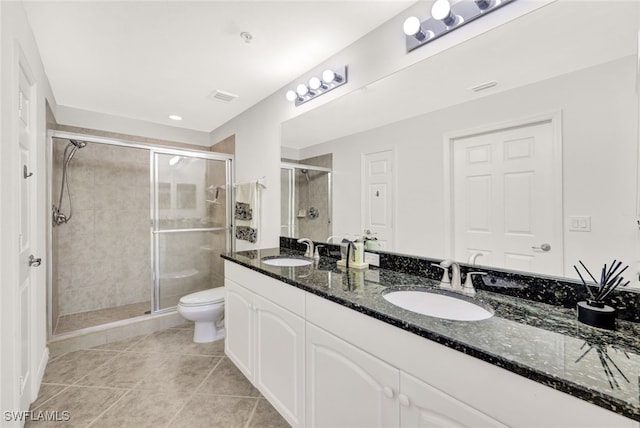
[[441, 10], [328, 76], [291, 95], [175, 117], [411, 26], [302, 89], [315, 83]]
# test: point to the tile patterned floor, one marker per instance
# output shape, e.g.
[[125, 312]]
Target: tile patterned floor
[[161, 379]]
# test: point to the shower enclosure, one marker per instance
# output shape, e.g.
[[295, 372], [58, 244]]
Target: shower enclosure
[[134, 227], [305, 201]]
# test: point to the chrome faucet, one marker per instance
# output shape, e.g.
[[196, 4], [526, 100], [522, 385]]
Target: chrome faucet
[[309, 243], [452, 280]]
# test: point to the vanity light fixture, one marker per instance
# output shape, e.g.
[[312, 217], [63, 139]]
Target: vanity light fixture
[[328, 80], [446, 16]]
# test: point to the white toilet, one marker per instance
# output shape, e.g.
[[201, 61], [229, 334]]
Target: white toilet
[[206, 308]]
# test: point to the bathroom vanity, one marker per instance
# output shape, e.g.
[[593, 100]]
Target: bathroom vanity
[[327, 350]]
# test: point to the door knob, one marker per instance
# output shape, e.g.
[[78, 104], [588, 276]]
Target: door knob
[[543, 247], [33, 262]]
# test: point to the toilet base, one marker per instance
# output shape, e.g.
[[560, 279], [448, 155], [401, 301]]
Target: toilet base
[[205, 332]]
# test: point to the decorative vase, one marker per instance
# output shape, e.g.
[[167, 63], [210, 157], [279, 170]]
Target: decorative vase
[[595, 313]]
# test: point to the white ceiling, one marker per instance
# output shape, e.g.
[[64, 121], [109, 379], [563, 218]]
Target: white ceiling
[[147, 60], [559, 38]]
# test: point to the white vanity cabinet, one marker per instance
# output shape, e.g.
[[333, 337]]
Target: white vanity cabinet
[[265, 337], [347, 387], [441, 387], [321, 364]]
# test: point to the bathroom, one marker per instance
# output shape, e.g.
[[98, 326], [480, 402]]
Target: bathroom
[[266, 136]]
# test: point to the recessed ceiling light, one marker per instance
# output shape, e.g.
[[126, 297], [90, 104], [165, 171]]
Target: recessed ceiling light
[[175, 117]]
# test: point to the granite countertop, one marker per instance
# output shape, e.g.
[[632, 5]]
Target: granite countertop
[[541, 342]]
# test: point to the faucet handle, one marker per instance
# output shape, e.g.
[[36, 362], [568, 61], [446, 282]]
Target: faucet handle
[[316, 255], [445, 274], [468, 287]]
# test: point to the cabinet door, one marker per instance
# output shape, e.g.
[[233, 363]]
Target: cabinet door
[[423, 406], [279, 362], [239, 341], [347, 387]]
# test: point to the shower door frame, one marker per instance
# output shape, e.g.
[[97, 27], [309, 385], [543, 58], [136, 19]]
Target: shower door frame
[[154, 214], [152, 148], [292, 196]]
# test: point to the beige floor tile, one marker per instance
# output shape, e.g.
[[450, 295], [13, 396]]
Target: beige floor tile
[[121, 345], [265, 416], [46, 392], [124, 371], [82, 404], [208, 411], [142, 409], [180, 373], [226, 379], [68, 368], [178, 341]]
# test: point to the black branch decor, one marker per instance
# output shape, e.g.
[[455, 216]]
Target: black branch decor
[[594, 311], [610, 279]]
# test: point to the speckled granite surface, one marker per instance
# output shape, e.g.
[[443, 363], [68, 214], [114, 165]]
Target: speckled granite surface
[[542, 342]]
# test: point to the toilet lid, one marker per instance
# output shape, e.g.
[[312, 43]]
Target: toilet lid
[[206, 297]]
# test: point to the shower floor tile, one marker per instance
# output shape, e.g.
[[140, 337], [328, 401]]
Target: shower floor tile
[[155, 380], [81, 320]]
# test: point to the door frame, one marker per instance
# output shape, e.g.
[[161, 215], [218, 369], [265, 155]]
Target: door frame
[[552, 117]]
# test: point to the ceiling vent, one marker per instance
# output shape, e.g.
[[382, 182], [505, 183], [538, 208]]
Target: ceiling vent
[[223, 96]]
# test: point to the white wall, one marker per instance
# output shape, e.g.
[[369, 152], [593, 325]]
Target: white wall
[[376, 55], [599, 118], [15, 34]]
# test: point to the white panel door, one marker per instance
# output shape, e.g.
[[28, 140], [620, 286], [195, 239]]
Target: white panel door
[[423, 406], [238, 320], [347, 387], [279, 360], [377, 179], [504, 190], [27, 221]]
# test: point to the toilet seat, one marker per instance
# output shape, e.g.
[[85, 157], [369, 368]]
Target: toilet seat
[[203, 298]]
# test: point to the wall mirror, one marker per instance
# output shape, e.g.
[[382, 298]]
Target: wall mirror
[[444, 158]]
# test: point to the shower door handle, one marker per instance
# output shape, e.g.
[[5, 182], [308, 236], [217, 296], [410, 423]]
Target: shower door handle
[[33, 262]]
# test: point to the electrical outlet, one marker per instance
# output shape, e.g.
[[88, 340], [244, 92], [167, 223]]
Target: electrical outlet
[[372, 259]]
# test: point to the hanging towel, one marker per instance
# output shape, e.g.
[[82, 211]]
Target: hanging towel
[[247, 211]]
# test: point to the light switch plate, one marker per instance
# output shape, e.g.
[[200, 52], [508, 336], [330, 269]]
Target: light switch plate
[[580, 223], [372, 259]]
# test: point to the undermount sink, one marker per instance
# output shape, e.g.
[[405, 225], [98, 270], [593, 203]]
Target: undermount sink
[[286, 261], [438, 304]]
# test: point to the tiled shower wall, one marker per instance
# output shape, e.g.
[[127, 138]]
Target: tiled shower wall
[[102, 256]]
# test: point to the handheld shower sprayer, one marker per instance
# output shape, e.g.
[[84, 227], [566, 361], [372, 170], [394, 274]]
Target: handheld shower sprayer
[[69, 152]]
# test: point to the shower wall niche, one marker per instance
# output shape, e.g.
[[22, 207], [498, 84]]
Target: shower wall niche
[[146, 226]]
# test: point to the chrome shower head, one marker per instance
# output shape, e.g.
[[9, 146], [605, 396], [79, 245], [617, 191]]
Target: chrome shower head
[[79, 144]]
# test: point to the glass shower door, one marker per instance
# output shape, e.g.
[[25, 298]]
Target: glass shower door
[[190, 224]]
